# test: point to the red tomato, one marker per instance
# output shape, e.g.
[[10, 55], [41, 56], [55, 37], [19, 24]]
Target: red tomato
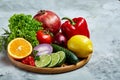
[[44, 37]]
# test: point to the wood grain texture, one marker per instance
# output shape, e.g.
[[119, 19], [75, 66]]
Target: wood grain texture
[[54, 70]]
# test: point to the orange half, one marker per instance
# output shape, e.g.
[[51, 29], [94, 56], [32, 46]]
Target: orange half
[[19, 48]]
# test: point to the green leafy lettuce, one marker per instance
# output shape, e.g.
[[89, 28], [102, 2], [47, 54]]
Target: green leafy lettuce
[[21, 25]]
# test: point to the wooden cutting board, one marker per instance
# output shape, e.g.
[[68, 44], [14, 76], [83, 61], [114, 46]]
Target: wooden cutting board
[[55, 70]]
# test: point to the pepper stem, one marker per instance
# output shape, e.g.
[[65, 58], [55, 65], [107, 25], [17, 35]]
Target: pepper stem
[[71, 21]]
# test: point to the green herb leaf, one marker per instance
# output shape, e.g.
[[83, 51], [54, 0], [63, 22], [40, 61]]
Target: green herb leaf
[[35, 52], [37, 58]]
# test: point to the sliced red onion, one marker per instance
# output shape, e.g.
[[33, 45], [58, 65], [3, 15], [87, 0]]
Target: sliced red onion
[[43, 49], [42, 53]]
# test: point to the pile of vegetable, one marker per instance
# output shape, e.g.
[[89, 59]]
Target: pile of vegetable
[[54, 43]]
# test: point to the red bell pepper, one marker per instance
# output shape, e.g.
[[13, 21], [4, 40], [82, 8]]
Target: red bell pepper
[[74, 27]]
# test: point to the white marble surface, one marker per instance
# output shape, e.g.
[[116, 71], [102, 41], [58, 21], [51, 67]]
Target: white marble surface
[[103, 17]]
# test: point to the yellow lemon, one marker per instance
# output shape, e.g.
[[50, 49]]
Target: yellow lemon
[[81, 45]]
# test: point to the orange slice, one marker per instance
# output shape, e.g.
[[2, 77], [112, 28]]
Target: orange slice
[[19, 48]]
